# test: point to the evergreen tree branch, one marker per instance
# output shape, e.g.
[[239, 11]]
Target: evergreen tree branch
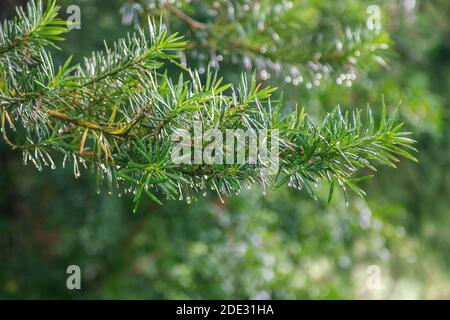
[[31, 30], [117, 112], [256, 33]]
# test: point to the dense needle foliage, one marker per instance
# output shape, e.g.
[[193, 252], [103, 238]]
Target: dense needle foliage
[[115, 113]]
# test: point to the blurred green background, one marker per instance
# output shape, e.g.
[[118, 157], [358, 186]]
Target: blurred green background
[[283, 245]]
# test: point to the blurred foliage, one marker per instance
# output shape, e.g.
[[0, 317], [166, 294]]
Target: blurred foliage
[[282, 245]]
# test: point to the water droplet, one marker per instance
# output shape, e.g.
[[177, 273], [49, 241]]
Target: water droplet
[[264, 75]]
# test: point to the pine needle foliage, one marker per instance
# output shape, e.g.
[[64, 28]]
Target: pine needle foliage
[[304, 43], [115, 113]]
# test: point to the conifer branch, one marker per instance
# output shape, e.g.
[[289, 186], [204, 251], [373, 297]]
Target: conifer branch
[[32, 29], [255, 33], [116, 113]]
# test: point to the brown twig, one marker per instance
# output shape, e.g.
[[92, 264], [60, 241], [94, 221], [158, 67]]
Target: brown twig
[[194, 24], [85, 124]]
